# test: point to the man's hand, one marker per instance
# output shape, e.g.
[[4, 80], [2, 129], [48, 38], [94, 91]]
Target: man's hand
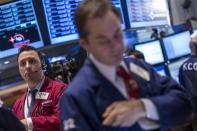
[[124, 113], [24, 122]]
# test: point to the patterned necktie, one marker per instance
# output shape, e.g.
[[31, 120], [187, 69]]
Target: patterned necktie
[[130, 83], [30, 105]]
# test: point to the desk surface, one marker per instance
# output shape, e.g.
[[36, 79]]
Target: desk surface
[[9, 95], [12, 89]]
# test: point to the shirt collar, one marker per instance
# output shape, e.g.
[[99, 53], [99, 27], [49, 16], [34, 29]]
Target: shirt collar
[[108, 71]]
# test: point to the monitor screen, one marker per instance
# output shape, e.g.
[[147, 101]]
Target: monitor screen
[[160, 70], [65, 53], [18, 27], [174, 66], [143, 13], [194, 30], [152, 51], [59, 18], [57, 58], [177, 45]]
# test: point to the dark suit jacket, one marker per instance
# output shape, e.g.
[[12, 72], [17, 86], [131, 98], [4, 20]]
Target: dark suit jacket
[[9, 122], [188, 78], [45, 114], [89, 94]]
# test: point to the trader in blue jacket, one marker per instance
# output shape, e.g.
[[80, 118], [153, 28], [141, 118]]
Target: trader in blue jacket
[[188, 70], [188, 78], [100, 98]]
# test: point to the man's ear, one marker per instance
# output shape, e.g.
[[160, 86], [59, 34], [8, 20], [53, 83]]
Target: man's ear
[[84, 44]]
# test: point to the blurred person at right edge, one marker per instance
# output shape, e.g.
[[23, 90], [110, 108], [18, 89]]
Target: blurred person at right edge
[[112, 93], [135, 54], [188, 78]]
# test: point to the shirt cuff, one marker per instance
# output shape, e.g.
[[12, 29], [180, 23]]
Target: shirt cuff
[[151, 110], [148, 124], [29, 124], [151, 121]]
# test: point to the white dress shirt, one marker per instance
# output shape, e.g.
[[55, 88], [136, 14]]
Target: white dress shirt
[[28, 101], [109, 72]]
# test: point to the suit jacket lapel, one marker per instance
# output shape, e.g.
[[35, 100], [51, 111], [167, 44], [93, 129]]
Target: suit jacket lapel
[[22, 106], [106, 92], [106, 89]]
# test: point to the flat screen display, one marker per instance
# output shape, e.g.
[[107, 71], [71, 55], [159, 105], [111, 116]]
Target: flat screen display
[[177, 45], [160, 70], [152, 51], [143, 13], [18, 27], [59, 18], [194, 30]]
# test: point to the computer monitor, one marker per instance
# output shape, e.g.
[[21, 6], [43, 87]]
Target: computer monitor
[[177, 45], [152, 51], [57, 58], [174, 66], [160, 70], [59, 19], [18, 27], [195, 30], [66, 52], [143, 13], [60, 22]]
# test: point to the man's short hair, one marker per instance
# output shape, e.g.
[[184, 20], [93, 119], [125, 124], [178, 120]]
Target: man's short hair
[[136, 53], [91, 9], [30, 48]]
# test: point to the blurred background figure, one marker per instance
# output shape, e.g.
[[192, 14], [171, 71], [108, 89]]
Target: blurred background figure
[[188, 78], [155, 34], [135, 54]]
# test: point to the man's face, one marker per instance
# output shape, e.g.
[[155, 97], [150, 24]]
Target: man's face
[[105, 39], [30, 66]]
